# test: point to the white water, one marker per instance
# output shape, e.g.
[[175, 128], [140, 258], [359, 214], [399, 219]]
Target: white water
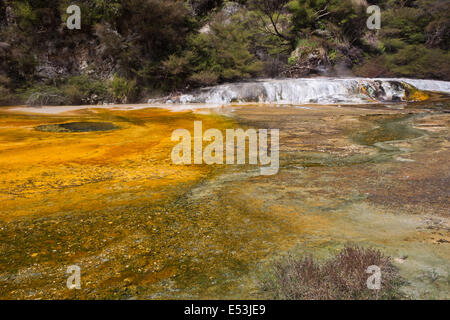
[[310, 90], [287, 91], [429, 85]]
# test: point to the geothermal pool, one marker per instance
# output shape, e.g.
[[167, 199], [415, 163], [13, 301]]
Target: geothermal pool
[[138, 226]]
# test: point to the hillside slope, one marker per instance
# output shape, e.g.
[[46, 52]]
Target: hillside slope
[[130, 50]]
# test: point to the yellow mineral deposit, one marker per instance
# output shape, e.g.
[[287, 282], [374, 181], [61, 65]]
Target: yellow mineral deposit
[[113, 203], [41, 170]]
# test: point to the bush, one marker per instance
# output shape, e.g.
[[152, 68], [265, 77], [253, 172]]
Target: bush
[[93, 11], [411, 61], [123, 90], [221, 55], [225, 52], [41, 94], [82, 89], [73, 94], [7, 97], [204, 78], [25, 14], [343, 277], [202, 7], [347, 17], [405, 23], [417, 61], [71, 91], [392, 45], [158, 43], [374, 67]]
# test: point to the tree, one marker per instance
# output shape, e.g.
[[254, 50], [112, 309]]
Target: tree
[[269, 13]]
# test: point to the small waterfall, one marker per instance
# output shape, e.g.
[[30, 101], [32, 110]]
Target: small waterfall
[[310, 91]]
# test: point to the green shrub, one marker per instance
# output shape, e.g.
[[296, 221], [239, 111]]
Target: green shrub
[[26, 16], [226, 50], [41, 94], [344, 15], [177, 69], [417, 61], [392, 45], [73, 95], [123, 90], [93, 11], [292, 60], [204, 78], [222, 55], [83, 90], [157, 42], [373, 67], [88, 85], [405, 23], [411, 61], [71, 91]]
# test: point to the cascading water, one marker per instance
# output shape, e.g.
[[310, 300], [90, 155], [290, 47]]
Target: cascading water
[[311, 90]]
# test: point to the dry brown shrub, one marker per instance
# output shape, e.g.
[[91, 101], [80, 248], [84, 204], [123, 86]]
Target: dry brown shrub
[[343, 277]]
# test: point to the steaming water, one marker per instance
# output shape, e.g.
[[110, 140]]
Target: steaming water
[[316, 90]]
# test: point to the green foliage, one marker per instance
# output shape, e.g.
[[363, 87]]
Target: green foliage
[[156, 44], [412, 61], [308, 44], [41, 94], [78, 88], [229, 53], [92, 12], [333, 55], [162, 26], [419, 61], [373, 67], [405, 23], [87, 85], [414, 39], [221, 55], [203, 7], [344, 15], [71, 91], [392, 44], [25, 14], [204, 78], [292, 60], [123, 90]]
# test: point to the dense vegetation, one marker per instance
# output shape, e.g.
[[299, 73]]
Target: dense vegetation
[[128, 50]]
